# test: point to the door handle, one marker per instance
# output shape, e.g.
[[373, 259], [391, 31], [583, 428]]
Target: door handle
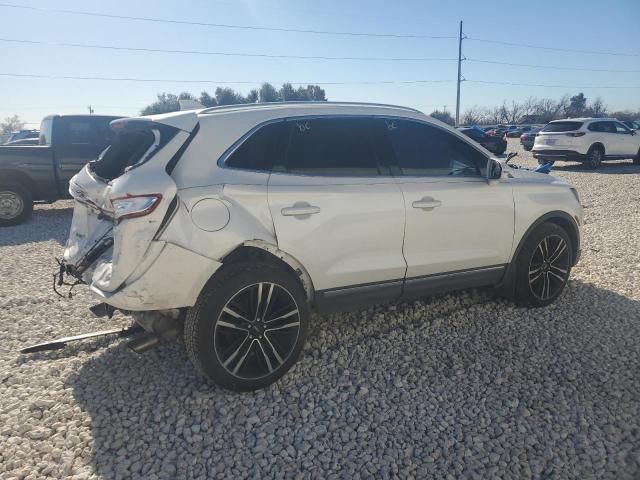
[[300, 209], [426, 203]]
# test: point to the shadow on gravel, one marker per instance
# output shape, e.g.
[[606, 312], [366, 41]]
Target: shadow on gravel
[[48, 222], [618, 168], [484, 389]]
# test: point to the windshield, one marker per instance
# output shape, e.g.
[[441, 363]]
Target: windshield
[[562, 127]]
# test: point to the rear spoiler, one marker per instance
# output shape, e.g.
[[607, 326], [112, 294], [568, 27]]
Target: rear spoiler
[[185, 121]]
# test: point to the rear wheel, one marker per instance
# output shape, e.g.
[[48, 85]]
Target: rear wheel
[[543, 266], [248, 327], [636, 159], [16, 204], [594, 158]]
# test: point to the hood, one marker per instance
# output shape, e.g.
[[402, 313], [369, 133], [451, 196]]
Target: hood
[[530, 176]]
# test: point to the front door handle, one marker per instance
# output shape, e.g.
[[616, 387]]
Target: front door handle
[[300, 209], [426, 203]]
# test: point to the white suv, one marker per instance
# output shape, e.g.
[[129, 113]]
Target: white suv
[[241, 220], [587, 140]]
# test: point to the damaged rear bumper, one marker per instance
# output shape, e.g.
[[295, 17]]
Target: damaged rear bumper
[[170, 277]]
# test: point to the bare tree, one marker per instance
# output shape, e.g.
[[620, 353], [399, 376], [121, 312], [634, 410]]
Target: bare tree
[[597, 108]]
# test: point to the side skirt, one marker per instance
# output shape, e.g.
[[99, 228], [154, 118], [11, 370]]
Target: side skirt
[[358, 296]]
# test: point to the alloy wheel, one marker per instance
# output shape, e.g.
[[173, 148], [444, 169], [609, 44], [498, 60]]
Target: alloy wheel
[[549, 267], [257, 331], [11, 205]]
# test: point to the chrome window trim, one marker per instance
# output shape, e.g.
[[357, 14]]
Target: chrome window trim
[[221, 162]]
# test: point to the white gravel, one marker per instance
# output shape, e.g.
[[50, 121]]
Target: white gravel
[[456, 387]]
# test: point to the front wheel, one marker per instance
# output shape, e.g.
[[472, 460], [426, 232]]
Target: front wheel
[[248, 326], [636, 159], [543, 266], [16, 204]]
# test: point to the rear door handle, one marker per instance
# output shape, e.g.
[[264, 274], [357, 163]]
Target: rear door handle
[[426, 203], [300, 209]]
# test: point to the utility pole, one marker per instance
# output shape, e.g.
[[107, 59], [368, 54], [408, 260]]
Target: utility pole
[[90, 110], [459, 75]]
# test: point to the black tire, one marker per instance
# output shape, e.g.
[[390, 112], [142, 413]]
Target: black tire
[[636, 159], [539, 278], [528, 149], [16, 204], [238, 352], [594, 157]]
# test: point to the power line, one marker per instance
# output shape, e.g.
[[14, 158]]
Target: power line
[[553, 86], [255, 82], [224, 25], [571, 50], [247, 82], [226, 54], [550, 67]]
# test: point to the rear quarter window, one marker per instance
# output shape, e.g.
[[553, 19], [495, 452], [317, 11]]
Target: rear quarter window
[[562, 127]]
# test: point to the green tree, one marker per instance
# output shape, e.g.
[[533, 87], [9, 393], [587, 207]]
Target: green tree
[[166, 102], [577, 105], [288, 93], [227, 96], [443, 116], [268, 93], [207, 100], [253, 96]]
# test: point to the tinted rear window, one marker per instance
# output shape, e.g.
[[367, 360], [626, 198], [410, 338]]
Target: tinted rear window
[[562, 127], [261, 150], [342, 147]]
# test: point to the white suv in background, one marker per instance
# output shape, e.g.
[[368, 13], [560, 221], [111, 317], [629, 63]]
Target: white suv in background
[[587, 140], [240, 220]]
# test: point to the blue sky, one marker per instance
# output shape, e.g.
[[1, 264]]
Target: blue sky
[[587, 25]]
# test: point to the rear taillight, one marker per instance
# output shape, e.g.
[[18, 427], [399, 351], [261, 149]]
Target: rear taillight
[[575, 134], [134, 206]]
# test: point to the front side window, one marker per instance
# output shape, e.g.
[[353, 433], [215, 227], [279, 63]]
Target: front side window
[[261, 150], [338, 147], [425, 150], [620, 128]]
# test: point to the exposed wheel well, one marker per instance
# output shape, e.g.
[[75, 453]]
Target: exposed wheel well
[[251, 254]]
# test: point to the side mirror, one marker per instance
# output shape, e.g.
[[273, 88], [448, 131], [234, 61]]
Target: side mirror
[[494, 169]]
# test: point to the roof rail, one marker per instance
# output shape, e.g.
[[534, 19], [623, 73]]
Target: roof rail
[[320, 102]]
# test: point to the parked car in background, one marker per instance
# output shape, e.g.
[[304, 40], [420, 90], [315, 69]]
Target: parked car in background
[[528, 138], [493, 143], [634, 125], [42, 171], [518, 130], [22, 134], [587, 140], [246, 218], [24, 141]]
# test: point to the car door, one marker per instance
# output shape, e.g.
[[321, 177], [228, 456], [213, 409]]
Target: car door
[[338, 211], [459, 227], [627, 140]]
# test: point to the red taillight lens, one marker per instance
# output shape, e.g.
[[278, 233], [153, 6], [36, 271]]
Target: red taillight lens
[[134, 205], [575, 134]]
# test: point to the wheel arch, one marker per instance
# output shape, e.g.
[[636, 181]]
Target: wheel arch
[[599, 145], [558, 217], [265, 252], [9, 175]]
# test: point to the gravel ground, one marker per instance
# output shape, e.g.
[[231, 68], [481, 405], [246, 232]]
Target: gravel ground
[[458, 386]]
